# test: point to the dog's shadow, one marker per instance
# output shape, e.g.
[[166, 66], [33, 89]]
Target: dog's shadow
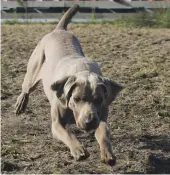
[[161, 142], [158, 147], [157, 162], [81, 134]]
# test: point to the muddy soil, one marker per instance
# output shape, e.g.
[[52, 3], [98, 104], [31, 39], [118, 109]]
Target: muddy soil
[[139, 119]]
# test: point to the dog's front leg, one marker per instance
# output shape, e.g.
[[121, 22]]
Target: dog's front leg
[[59, 132], [102, 135]]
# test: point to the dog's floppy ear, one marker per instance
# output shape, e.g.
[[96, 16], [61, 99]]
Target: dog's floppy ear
[[64, 88], [112, 88]]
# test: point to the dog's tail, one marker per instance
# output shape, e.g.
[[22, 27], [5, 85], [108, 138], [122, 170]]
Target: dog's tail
[[67, 17]]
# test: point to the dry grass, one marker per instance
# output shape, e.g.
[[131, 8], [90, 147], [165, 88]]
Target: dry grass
[[139, 119]]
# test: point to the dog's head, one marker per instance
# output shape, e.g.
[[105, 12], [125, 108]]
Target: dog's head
[[85, 94]]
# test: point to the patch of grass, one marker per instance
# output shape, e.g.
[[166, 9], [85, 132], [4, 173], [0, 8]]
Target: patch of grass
[[147, 72], [93, 15], [16, 21], [159, 18]]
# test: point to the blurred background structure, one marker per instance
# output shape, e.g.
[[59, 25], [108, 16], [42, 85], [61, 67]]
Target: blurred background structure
[[51, 10]]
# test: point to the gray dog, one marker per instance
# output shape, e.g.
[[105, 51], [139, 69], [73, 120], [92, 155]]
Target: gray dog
[[74, 86]]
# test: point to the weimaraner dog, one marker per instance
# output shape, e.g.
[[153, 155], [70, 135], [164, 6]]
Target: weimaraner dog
[[74, 86]]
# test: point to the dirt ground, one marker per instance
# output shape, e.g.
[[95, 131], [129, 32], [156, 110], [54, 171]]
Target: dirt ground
[[139, 119]]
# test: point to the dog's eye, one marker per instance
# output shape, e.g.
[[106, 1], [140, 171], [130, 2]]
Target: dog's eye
[[77, 99], [98, 101]]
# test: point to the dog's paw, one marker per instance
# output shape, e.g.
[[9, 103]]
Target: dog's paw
[[108, 157], [21, 103], [79, 152]]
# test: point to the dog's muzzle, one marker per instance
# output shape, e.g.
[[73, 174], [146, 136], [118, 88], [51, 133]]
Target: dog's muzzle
[[91, 123]]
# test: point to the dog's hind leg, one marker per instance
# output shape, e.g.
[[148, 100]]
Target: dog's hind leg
[[32, 77]]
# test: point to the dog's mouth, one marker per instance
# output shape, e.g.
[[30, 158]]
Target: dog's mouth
[[87, 129], [91, 127], [88, 126]]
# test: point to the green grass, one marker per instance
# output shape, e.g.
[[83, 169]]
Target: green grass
[[15, 21], [157, 19]]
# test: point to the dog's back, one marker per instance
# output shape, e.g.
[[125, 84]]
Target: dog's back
[[63, 49], [58, 54], [61, 43]]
